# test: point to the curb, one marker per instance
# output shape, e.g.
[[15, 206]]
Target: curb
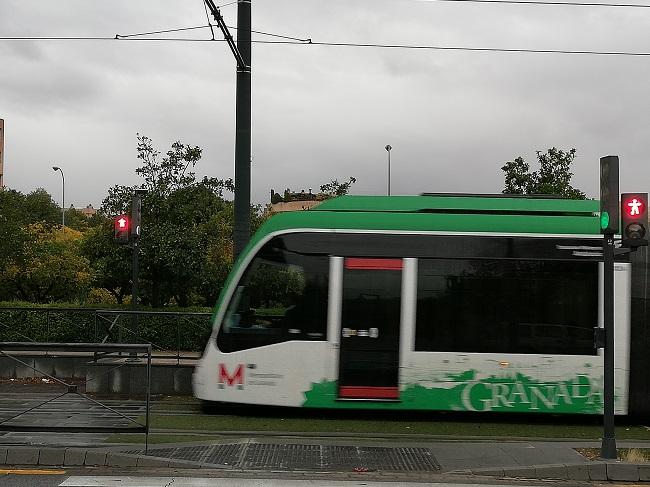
[[597, 470], [79, 457]]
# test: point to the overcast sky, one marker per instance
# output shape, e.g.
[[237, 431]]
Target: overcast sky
[[452, 118]]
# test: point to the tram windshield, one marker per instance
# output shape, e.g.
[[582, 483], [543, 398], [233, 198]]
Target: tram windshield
[[282, 296]]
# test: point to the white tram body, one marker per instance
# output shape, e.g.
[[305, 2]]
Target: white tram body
[[430, 302]]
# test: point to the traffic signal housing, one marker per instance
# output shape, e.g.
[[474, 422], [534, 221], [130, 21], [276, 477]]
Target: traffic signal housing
[[634, 212], [122, 229], [609, 203]]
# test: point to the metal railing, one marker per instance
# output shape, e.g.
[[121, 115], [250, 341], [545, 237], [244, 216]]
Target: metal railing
[[12, 350], [166, 331]]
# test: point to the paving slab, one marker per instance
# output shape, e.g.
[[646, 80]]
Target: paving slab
[[95, 458], [644, 473], [74, 457], [51, 456], [598, 471], [120, 460], [551, 472], [22, 456], [521, 473], [623, 471], [578, 472]]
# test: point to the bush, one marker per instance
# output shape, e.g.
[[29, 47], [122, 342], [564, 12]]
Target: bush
[[99, 295], [24, 322]]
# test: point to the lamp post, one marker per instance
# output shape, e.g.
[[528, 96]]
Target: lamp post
[[388, 148], [55, 168]]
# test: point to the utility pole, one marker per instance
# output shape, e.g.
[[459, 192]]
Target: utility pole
[[242, 53]]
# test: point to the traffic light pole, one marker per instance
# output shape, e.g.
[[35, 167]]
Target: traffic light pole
[[608, 446], [136, 212]]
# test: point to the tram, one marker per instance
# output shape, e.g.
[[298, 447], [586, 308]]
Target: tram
[[430, 302]]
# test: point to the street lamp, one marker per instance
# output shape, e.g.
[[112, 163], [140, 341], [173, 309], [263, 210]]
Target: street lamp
[[63, 195], [388, 148]]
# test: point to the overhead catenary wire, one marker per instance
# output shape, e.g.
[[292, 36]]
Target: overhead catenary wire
[[309, 42], [210, 26], [551, 3], [207, 16]]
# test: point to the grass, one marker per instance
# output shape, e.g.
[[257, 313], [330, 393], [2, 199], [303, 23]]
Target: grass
[[416, 424], [390, 425], [630, 455]]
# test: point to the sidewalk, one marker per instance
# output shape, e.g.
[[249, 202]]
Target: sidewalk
[[378, 458]]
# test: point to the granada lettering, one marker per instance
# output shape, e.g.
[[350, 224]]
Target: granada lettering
[[234, 379], [491, 396]]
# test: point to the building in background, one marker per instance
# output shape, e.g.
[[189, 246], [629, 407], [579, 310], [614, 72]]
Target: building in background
[[2, 152], [294, 201], [88, 211]]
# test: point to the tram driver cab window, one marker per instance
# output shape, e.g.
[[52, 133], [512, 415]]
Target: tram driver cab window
[[282, 296]]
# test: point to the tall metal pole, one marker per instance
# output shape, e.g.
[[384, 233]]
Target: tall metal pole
[[388, 149], [136, 211], [608, 446], [56, 168], [609, 226], [242, 225]]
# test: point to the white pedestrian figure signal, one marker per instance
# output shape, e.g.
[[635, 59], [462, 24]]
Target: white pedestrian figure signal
[[635, 206]]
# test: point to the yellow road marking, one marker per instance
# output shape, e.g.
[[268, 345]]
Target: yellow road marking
[[21, 471]]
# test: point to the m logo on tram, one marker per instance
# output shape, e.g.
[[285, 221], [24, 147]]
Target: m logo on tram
[[235, 379]]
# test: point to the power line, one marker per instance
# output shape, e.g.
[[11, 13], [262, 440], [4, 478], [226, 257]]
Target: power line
[[308, 42], [551, 2], [166, 31], [197, 27], [459, 48]]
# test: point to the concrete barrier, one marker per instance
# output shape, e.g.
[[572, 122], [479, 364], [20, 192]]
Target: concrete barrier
[[115, 375]]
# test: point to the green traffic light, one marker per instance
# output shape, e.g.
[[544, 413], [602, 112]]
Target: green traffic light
[[604, 220]]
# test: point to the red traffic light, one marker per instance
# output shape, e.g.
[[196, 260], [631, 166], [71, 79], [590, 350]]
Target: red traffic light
[[634, 212], [122, 226]]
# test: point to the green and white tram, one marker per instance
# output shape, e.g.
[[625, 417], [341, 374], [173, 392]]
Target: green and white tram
[[440, 302]]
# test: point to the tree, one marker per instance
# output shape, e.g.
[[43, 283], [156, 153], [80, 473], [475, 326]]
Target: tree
[[110, 263], [334, 188], [40, 208], [553, 177], [50, 267], [186, 226]]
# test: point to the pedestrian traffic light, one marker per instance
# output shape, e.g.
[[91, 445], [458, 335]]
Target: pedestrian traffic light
[[122, 226], [609, 209], [634, 210]]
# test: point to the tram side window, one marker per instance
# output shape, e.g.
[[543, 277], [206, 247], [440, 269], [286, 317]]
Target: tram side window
[[506, 306], [282, 297]]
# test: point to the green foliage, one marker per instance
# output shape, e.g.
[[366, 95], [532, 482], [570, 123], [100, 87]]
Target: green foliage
[[334, 188], [49, 267], [186, 242], [553, 177], [111, 263], [21, 321], [99, 295], [40, 208]]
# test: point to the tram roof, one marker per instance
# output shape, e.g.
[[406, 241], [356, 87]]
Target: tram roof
[[442, 213], [462, 203]]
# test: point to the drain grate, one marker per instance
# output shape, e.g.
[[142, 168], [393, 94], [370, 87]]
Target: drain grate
[[268, 456], [282, 457], [225, 455]]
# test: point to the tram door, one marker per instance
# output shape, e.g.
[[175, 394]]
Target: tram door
[[370, 329]]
